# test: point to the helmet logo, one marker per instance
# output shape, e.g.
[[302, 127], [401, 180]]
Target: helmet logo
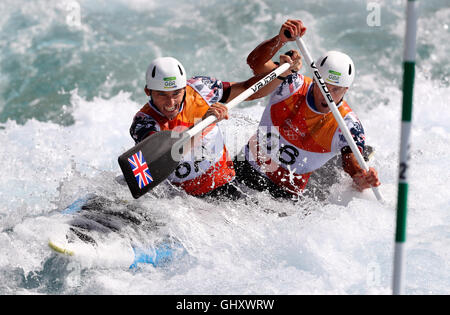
[[170, 82], [333, 77]]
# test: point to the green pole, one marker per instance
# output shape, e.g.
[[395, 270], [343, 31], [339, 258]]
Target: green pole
[[408, 87]]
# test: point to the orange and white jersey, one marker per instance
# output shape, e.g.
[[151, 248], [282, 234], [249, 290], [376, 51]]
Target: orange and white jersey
[[294, 139], [207, 166]]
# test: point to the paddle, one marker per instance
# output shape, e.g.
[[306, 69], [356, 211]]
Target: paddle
[[150, 162], [332, 105]]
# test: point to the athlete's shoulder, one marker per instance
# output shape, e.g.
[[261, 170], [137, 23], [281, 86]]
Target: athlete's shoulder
[[143, 124], [209, 88], [290, 86], [145, 110], [307, 80], [345, 107], [355, 126]]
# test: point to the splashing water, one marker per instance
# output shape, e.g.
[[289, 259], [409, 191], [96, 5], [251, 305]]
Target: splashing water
[[72, 78]]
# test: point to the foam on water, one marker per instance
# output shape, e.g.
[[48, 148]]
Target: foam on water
[[334, 246], [342, 244]]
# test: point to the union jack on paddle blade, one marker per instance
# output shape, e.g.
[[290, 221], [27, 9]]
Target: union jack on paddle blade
[[140, 169]]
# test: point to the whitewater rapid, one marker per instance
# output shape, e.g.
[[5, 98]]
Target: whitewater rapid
[[342, 243]]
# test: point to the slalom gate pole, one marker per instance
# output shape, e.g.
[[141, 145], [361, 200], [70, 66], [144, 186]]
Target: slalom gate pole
[[408, 87]]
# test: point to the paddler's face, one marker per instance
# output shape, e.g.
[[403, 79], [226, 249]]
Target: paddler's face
[[168, 103], [337, 92]]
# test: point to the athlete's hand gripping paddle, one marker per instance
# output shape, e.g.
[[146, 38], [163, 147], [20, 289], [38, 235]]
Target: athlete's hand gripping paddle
[[332, 105], [150, 162]]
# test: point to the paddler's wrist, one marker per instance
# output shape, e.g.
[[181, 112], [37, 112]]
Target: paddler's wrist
[[285, 74], [281, 40]]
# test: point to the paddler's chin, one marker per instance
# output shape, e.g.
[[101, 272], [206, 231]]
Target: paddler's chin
[[171, 111]]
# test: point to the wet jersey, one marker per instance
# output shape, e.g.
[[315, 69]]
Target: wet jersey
[[294, 138], [207, 166]]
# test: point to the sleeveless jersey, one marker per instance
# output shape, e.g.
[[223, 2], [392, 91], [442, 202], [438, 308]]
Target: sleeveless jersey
[[294, 139], [207, 166]]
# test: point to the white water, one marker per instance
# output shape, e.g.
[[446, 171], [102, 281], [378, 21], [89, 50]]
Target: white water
[[341, 245]]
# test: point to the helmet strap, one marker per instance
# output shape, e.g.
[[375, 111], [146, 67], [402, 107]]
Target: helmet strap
[[184, 98]]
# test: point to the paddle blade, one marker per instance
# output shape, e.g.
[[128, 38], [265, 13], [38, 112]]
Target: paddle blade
[[150, 162]]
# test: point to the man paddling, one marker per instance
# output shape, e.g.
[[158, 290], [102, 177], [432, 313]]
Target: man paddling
[[298, 134], [176, 104]]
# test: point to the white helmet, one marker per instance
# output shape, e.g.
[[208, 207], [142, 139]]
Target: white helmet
[[336, 68], [165, 74]]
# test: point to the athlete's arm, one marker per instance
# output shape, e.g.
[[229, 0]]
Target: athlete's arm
[[236, 88], [361, 179], [260, 59], [233, 89], [261, 63], [143, 126], [218, 110]]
